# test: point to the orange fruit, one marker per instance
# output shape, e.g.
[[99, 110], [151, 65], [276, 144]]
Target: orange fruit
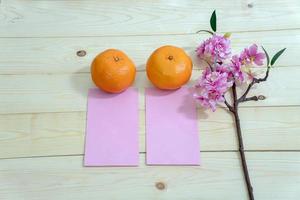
[[113, 71], [169, 67]]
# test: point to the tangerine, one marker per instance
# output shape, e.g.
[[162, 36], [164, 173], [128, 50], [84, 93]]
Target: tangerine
[[169, 67], [113, 71]]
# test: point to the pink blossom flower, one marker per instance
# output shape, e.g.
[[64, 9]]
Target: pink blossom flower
[[224, 68], [236, 69], [217, 48], [211, 87], [250, 55]]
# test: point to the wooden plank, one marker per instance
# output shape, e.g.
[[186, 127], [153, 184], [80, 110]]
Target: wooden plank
[[58, 55], [98, 18], [68, 92], [263, 128], [275, 175], [42, 134], [48, 134], [65, 178]]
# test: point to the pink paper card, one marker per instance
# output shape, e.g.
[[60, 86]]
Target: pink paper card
[[171, 128], [112, 129]]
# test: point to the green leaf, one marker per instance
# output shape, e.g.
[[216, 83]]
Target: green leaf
[[276, 56], [213, 21], [267, 55]]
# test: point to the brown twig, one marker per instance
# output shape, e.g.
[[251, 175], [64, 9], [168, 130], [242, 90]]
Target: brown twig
[[254, 81], [254, 98], [241, 144], [230, 108], [234, 110]]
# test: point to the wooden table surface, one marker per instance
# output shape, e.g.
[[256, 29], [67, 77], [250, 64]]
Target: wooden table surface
[[43, 90]]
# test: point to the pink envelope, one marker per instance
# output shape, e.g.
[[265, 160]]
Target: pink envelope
[[171, 128], [112, 129]]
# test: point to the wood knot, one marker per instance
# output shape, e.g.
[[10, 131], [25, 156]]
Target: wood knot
[[160, 185], [250, 5], [81, 53]]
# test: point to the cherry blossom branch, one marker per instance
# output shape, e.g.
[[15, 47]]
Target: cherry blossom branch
[[254, 98], [270, 62], [217, 49], [235, 103], [241, 144], [230, 108], [244, 98], [207, 31]]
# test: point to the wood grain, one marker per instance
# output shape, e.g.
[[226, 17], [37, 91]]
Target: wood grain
[[275, 175], [50, 134], [58, 55], [68, 92], [49, 18], [43, 88]]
